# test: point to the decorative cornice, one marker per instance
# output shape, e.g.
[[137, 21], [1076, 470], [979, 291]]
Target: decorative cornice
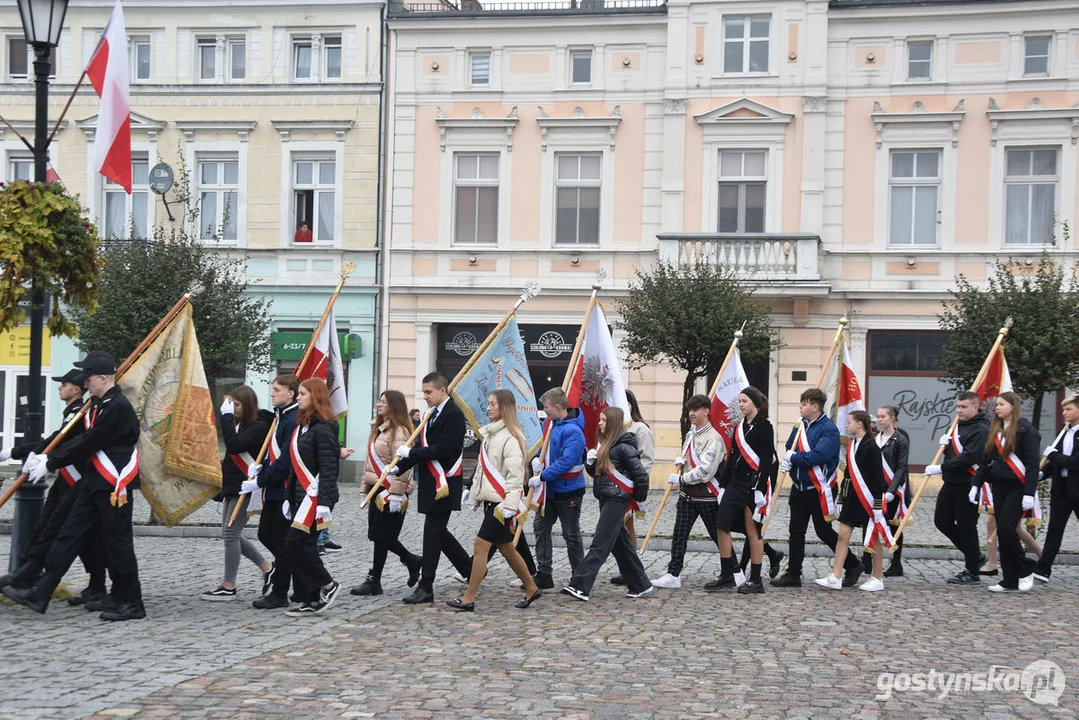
[[337, 127], [1033, 111], [578, 120], [190, 127], [674, 106], [139, 124], [476, 121], [762, 114], [919, 116]]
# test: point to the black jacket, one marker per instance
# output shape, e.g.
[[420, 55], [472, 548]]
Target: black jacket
[[247, 439], [972, 435], [626, 459], [274, 476], [445, 442], [1058, 461], [997, 470], [868, 457], [321, 454], [20, 452], [115, 431], [761, 437], [896, 453]]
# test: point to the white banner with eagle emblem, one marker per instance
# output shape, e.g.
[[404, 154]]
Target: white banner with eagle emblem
[[597, 379]]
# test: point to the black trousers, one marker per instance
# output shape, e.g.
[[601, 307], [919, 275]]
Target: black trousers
[[273, 529], [805, 506], [612, 538], [1061, 507], [957, 519], [524, 551], [438, 541], [686, 514], [308, 572], [1008, 507], [94, 518], [58, 505], [384, 530]]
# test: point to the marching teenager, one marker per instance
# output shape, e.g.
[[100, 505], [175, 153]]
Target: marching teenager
[[1030, 545], [895, 449], [272, 477], [1062, 462], [58, 504], [244, 427], [310, 495], [437, 460], [697, 483], [106, 457], [775, 557], [620, 483], [498, 484], [862, 506], [812, 459], [1011, 468], [744, 489], [385, 517], [562, 482], [646, 448]]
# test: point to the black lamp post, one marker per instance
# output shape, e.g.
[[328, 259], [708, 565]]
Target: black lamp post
[[42, 21]]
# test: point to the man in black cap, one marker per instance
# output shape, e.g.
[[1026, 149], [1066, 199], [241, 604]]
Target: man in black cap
[[106, 455], [58, 502]]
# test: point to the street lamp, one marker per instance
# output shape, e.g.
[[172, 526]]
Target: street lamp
[[42, 21]]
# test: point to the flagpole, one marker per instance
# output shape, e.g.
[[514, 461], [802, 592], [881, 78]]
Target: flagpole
[[67, 107], [124, 366], [711, 394], [820, 380], [527, 294], [570, 372], [1001, 334]]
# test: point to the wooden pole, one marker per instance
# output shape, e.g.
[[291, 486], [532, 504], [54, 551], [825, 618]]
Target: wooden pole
[[67, 106], [124, 366], [820, 380], [711, 394], [1001, 334]]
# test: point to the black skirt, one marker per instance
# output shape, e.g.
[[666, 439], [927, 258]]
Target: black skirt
[[492, 529], [736, 496], [853, 513]]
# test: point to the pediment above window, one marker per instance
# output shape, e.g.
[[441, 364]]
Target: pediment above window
[[578, 122], [140, 124], [476, 124], [919, 122], [1033, 115], [744, 112]]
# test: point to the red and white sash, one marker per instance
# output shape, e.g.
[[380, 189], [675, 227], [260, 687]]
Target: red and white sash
[[693, 460], [985, 499], [496, 480], [70, 474], [442, 485], [1012, 460], [754, 462], [625, 485], [865, 497], [305, 514], [243, 461], [120, 479], [825, 485], [900, 494], [539, 496], [957, 447], [379, 468]]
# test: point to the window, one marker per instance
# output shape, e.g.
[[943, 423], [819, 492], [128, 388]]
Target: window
[[123, 212], [580, 66], [476, 203], [140, 58], [1036, 56], [331, 55], [301, 59], [313, 182], [915, 189], [207, 57], [219, 180], [742, 184], [920, 60], [21, 169], [237, 59], [481, 69], [1030, 189], [906, 351], [745, 44], [577, 192], [18, 58]]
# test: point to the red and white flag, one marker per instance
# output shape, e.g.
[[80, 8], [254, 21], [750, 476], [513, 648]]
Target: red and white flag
[[107, 72], [841, 385], [324, 361], [997, 380], [724, 413], [597, 381]]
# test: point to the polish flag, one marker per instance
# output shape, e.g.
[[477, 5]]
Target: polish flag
[[597, 382], [724, 414], [997, 379], [324, 361], [107, 72], [843, 389]]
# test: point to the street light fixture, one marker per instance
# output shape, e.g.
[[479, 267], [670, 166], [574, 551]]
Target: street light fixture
[[42, 21]]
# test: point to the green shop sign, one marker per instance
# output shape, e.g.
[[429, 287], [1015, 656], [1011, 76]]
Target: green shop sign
[[290, 345]]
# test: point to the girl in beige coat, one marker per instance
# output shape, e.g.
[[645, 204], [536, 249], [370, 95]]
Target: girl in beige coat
[[389, 430], [498, 484]]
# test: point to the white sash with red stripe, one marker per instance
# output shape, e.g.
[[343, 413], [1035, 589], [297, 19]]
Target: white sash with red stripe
[[119, 478], [689, 452], [985, 499], [375, 464], [539, 496], [442, 485], [865, 497], [957, 447], [305, 514], [823, 483], [625, 485], [754, 461], [1012, 460], [900, 494], [495, 478], [70, 474]]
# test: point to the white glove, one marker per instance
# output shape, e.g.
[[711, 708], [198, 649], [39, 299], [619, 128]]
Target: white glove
[[932, 470], [253, 471], [591, 456], [878, 516], [534, 481], [674, 479], [5, 454], [393, 471], [787, 456], [396, 501], [838, 509], [248, 486], [508, 511], [679, 461], [1047, 452], [946, 439], [719, 498], [758, 498], [1028, 502], [228, 407], [37, 470], [784, 467], [286, 510], [1041, 474], [973, 495], [888, 497], [537, 466], [402, 452], [322, 513]]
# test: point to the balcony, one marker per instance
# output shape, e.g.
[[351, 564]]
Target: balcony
[[781, 263]]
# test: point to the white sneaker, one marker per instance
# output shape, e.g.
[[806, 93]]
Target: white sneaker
[[668, 581], [643, 593], [871, 585], [1026, 583], [739, 579], [830, 582], [998, 588], [1041, 578]]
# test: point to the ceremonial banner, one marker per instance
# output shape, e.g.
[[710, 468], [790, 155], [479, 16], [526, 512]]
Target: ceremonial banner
[[724, 413], [500, 366], [842, 387], [324, 361], [179, 464], [597, 379], [997, 378]]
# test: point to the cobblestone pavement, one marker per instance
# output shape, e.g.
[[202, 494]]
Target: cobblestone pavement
[[680, 654]]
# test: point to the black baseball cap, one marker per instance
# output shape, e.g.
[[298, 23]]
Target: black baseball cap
[[97, 363], [75, 377]]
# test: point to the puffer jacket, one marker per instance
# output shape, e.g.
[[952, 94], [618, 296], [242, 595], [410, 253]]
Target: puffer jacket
[[625, 458], [565, 455], [506, 454], [321, 454], [386, 444], [247, 439]]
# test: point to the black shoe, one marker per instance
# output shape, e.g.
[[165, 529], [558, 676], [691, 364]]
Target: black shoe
[[414, 566], [458, 605], [895, 569], [24, 576], [29, 597], [104, 604], [751, 587], [270, 601], [529, 600], [326, 595], [720, 584], [544, 581], [88, 595], [419, 596], [321, 549], [774, 563], [370, 586], [332, 547], [965, 578], [989, 573], [127, 611], [267, 579], [787, 580], [850, 579], [618, 580]]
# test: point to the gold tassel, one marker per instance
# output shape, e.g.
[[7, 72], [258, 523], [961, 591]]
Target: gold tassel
[[301, 526], [442, 492], [379, 502], [322, 526]]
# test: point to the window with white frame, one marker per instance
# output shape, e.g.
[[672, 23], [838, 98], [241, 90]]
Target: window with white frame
[[21, 169], [480, 69], [313, 187], [745, 43], [578, 180], [919, 59], [1036, 55], [301, 58], [1030, 190], [580, 62], [125, 213], [475, 186], [237, 58], [915, 197], [207, 59], [331, 57], [219, 180], [140, 58], [20, 59], [743, 185]]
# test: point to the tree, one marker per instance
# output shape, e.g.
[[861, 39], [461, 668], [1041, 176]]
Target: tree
[[686, 317], [1043, 343]]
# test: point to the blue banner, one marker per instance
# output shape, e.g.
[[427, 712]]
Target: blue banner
[[501, 366]]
